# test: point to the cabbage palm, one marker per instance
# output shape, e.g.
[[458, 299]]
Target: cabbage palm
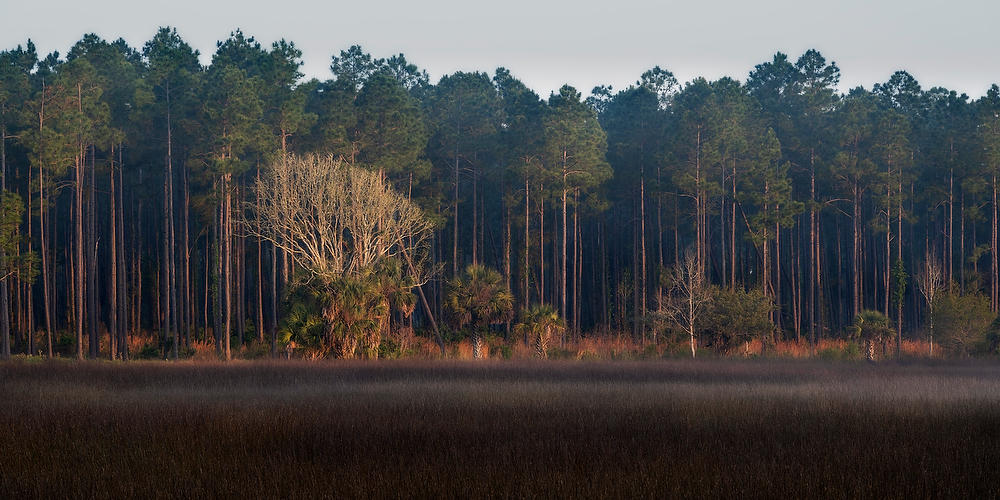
[[539, 323], [356, 314], [873, 328], [479, 298]]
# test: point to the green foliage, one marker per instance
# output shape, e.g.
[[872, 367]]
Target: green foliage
[[871, 326], [538, 324], [149, 350], [850, 352], [899, 280], [478, 298], [11, 260], [302, 320], [575, 144], [390, 133], [737, 317], [341, 315], [962, 321]]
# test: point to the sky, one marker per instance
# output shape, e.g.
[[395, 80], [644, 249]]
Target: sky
[[549, 43]]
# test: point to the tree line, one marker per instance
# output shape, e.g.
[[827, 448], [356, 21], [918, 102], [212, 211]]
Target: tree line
[[135, 199]]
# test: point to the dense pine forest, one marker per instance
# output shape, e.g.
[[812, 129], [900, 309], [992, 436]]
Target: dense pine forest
[[151, 203]]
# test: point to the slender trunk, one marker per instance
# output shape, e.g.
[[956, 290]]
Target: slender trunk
[[899, 255], [951, 229], [642, 251], [813, 267], [166, 274], [993, 249], [78, 268], [732, 230], [274, 298], [888, 239], [541, 246], [113, 283], [208, 285], [120, 283], [856, 252], [659, 240], [778, 304], [260, 278], [227, 241], [578, 273], [239, 276], [699, 224], [961, 244], [47, 284], [690, 325], [188, 285], [562, 261], [92, 311], [724, 274], [527, 243], [475, 214], [573, 277], [454, 252], [4, 306], [218, 237], [508, 279], [78, 262]]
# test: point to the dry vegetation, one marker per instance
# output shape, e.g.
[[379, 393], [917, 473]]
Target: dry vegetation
[[459, 429]]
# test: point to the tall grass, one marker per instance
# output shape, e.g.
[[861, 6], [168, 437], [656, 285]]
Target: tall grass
[[458, 429]]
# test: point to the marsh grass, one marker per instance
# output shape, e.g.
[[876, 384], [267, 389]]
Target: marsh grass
[[462, 429]]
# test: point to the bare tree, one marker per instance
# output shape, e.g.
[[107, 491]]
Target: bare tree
[[688, 296], [338, 220], [930, 280]]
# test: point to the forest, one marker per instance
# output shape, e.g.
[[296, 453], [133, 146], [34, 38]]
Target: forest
[[153, 206]]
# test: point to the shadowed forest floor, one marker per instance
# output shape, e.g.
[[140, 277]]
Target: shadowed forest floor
[[515, 429]]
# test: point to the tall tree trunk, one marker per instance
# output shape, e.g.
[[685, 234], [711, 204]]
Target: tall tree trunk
[[950, 249], [527, 243], [961, 244], [92, 304], [642, 252], [541, 245], [562, 261], [813, 250], [227, 234], [120, 283], [4, 305], [573, 276], [260, 278], [778, 304], [856, 252], [699, 216], [220, 286], [454, 253], [888, 239], [993, 248], [188, 285], [166, 274], [78, 268], [475, 215], [732, 230], [113, 250]]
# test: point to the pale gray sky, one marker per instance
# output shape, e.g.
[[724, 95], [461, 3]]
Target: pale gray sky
[[548, 43]]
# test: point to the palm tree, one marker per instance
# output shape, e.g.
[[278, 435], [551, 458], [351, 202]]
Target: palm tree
[[539, 323], [479, 298], [356, 315], [873, 328]]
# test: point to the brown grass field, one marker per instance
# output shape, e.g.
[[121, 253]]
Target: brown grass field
[[707, 428]]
